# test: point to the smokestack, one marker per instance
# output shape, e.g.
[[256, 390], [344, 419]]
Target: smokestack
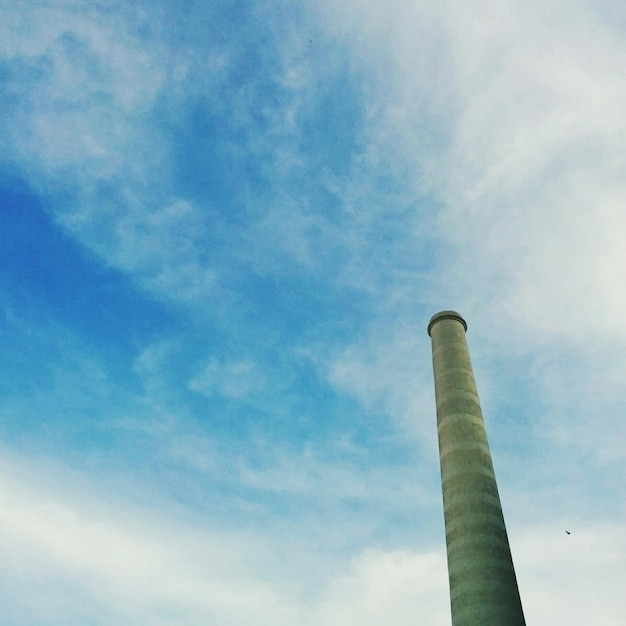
[[483, 586]]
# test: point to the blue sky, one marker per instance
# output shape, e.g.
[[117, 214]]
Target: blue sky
[[225, 227]]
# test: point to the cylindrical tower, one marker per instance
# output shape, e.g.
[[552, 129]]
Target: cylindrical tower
[[483, 586]]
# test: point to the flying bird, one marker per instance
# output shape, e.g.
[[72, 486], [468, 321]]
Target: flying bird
[[568, 532]]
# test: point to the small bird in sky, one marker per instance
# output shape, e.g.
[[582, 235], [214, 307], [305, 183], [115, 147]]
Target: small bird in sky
[[568, 532]]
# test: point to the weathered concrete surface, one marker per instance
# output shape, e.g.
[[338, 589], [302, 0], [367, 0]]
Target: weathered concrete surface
[[483, 587]]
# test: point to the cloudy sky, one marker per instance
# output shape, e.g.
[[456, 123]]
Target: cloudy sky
[[224, 228]]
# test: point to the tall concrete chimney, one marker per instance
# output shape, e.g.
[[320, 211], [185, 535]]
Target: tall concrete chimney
[[483, 586]]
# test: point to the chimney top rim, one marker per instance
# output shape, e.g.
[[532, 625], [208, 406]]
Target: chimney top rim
[[446, 315]]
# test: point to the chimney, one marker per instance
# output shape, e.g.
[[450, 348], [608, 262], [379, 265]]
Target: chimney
[[483, 586]]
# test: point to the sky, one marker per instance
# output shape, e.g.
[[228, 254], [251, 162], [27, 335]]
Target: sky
[[224, 228]]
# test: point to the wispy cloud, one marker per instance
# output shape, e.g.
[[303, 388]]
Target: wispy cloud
[[95, 560], [234, 380], [135, 565]]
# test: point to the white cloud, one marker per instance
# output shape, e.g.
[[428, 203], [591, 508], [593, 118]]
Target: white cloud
[[572, 579], [332, 486], [533, 194], [397, 587], [165, 250], [512, 120], [84, 78], [84, 136], [233, 379], [138, 564], [105, 560], [526, 167], [388, 370], [511, 117], [72, 552]]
